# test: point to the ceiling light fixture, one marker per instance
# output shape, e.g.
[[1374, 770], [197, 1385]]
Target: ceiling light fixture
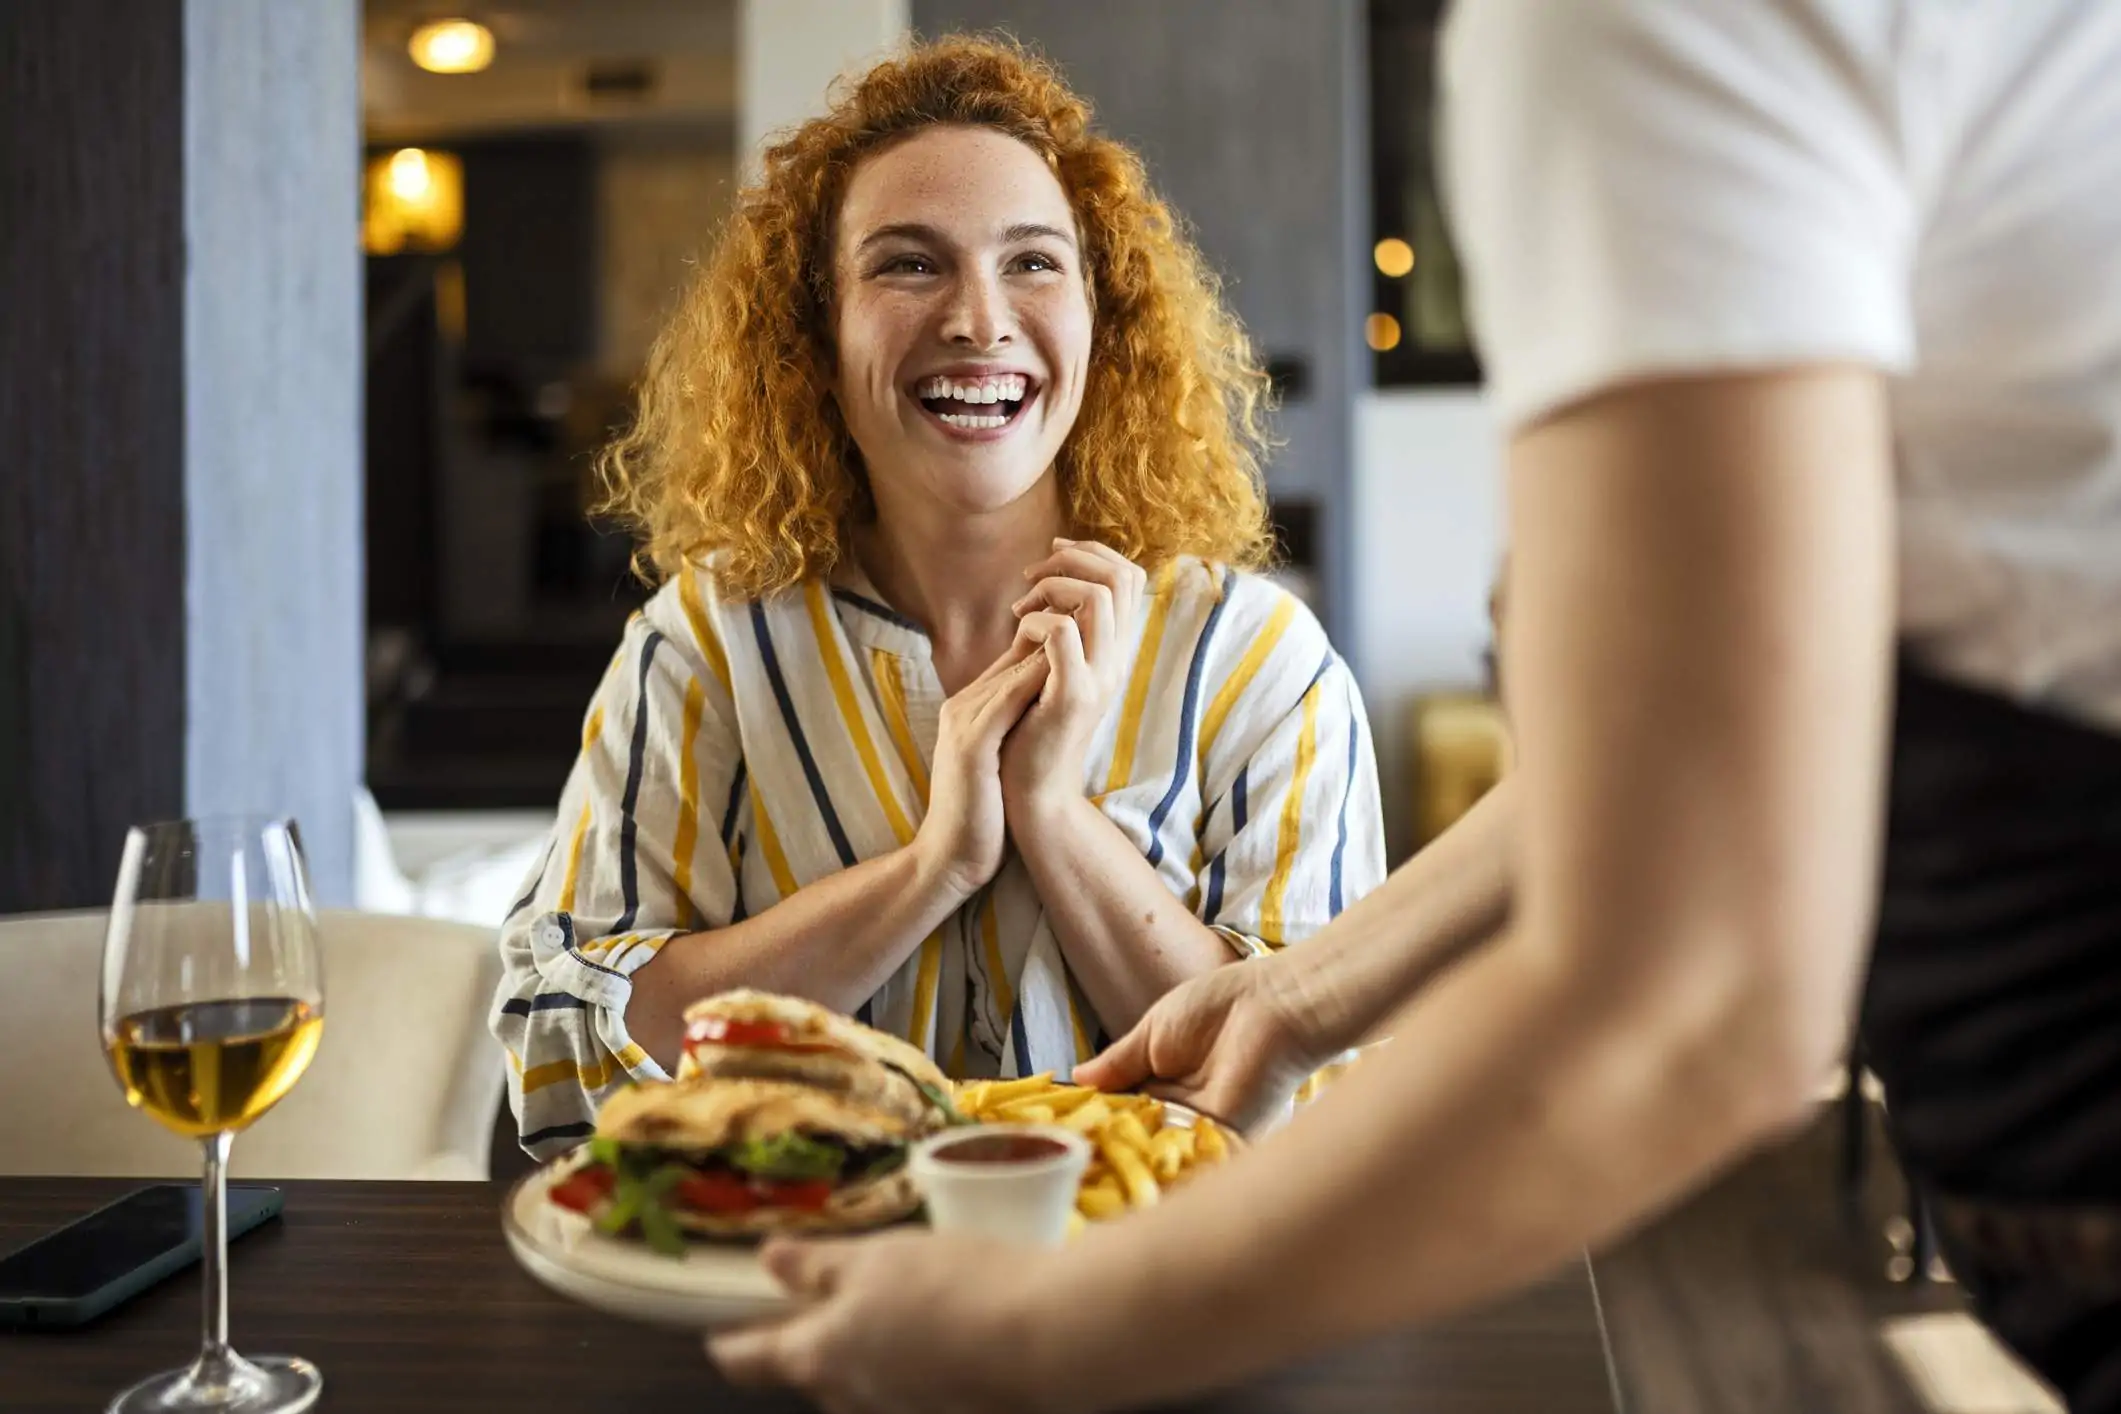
[[451, 46]]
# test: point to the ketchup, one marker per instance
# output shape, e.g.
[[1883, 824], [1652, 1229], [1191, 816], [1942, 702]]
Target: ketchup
[[1000, 1149]]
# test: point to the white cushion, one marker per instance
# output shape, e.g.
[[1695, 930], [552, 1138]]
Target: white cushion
[[406, 1082]]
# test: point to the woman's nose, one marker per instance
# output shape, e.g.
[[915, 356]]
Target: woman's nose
[[978, 314]]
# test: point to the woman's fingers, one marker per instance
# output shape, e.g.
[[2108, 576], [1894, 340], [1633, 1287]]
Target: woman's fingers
[[1089, 603], [1013, 691], [1087, 559], [1071, 679], [1016, 653]]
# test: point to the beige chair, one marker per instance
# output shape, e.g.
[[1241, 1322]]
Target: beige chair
[[406, 1083]]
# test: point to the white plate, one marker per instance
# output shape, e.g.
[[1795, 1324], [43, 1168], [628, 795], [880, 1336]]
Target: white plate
[[713, 1284]]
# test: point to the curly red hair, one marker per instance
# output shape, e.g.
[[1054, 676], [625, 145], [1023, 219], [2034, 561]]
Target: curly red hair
[[738, 458]]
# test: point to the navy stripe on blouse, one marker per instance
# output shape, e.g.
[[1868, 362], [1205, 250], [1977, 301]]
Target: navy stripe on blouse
[[543, 1001], [1182, 770], [535, 884], [1020, 1040], [818, 792], [629, 830], [876, 610], [580, 1130], [1340, 840], [1214, 901], [736, 801]]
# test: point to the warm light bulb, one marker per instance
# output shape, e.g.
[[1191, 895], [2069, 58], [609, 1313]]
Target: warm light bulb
[[1381, 332], [452, 46], [409, 177], [1394, 257]]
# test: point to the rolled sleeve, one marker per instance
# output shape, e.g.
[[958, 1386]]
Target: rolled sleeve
[[638, 855]]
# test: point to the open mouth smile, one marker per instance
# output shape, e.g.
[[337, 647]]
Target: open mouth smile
[[976, 407]]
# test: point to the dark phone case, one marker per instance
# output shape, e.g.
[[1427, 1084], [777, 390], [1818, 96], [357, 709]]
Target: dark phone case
[[36, 1312]]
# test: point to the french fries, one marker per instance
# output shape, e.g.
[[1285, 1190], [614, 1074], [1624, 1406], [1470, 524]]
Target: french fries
[[1138, 1151]]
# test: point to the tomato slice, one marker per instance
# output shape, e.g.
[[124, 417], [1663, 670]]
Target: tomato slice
[[583, 1189], [806, 1197], [710, 1191], [716, 1193], [755, 1035]]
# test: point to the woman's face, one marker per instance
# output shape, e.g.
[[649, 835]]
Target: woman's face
[[963, 319]]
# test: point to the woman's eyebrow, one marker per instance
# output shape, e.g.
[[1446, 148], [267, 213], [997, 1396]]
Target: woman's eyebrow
[[902, 230], [921, 231], [1037, 231]]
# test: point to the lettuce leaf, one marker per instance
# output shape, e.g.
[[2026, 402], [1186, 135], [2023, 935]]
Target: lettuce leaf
[[790, 1157]]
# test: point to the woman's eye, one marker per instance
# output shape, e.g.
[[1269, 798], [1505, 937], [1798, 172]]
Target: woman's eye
[[907, 265], [1033, 261]]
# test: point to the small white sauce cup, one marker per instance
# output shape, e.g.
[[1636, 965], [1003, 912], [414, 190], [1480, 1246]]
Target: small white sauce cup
[[1014, 1200]]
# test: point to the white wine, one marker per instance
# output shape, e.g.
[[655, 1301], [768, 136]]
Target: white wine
[[205, 1067]]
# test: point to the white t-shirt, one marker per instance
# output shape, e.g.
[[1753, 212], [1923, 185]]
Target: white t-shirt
[[1930, 187]]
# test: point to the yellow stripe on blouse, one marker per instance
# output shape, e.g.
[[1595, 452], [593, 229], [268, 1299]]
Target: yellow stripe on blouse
[[590, 733], [770, 846], [703, 633], [1084, 1046], [1241, 676], [990, 936], [574, 861], [891, 691], [927, 984], [851, 711], [1137, 699], [594, 1076], [1290, 839], [822, 632]]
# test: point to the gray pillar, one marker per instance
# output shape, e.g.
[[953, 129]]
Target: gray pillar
[[1249, 114], [180, 522]]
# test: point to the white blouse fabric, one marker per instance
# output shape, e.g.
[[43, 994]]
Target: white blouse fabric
[[739, 750]]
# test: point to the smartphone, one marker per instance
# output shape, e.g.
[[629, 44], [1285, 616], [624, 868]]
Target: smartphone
[[72, 1276]]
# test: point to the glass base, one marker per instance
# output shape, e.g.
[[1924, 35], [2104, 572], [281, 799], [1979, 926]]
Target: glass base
[[229, 1384]]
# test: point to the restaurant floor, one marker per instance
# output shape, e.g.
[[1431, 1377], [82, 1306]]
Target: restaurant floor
[[1765, 1296]]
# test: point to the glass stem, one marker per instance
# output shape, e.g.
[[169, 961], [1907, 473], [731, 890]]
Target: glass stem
[[213, 1257]]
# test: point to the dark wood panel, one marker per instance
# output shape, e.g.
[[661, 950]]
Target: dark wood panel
[[530, 256], [405, 1296], [91, 439]]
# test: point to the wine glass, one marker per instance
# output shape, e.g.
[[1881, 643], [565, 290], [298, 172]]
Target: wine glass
[[212, 1005]]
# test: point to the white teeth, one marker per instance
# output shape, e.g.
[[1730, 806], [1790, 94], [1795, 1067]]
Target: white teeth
[[971, 420], [1002, 387]]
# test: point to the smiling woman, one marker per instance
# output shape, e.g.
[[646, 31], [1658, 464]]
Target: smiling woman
[[959, 708]]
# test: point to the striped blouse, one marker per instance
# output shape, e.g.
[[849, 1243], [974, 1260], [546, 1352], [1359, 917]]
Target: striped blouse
[[738, 750]]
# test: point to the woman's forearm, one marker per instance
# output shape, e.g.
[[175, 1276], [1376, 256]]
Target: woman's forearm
[[1389, 944], [1126, 939], [835, 941]]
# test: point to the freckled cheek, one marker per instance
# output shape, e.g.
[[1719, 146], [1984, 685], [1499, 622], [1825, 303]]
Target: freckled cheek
[[874, 340], [1063, 325]]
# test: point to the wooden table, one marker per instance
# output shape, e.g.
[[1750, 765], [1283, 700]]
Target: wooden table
[[406, 1296]]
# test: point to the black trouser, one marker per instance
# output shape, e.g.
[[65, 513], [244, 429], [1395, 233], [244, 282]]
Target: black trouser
[[1993, 1015]]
